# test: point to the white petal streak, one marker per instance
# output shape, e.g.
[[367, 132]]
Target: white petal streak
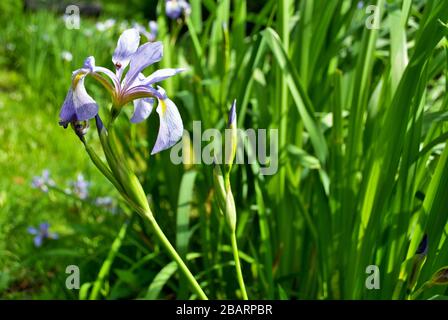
[[127, 45]]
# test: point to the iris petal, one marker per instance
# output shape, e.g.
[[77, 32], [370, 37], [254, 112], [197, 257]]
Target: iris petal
[[89, 63], [67, 113], [127, 45], [44, 226], [78, 105], [172, 9], [171, 126], [38, 240], [32, 230], [85, 107], [146, 55], [142, 109], [161, 75]]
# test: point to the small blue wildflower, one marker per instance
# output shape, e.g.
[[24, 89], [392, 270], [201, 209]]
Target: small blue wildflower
[[81, 187], [175, 8], [150, 35], [360, 4], [43, 182], [66, 56], [41, 233], [107, 203], [103, 26], [133, 87], [153, 29]]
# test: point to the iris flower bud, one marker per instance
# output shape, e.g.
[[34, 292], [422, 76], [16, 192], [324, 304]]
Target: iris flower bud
[[80, 128], [440, 277], [230, 211], [220, 190], [417, 263], [231, 133]]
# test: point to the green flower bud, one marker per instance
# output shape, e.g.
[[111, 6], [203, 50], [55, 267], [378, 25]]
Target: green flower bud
[[220, 190], [230, 211], [440, 277], [231, 133]]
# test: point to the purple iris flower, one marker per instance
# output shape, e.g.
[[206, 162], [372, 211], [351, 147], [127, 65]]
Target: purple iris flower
[[175, 8], [126, 87], [43, 182], [41, 233], [81, 187]]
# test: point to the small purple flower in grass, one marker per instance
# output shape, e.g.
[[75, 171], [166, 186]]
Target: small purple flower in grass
[[81, 187], [175, 8], [153, 29], [107, 203], [42, 182], [150, 35], [124, 88], [41, 233]]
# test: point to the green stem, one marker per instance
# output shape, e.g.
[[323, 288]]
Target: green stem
[[417, 293], [239, 273], [173, 253], [105, 268], [132, 191]]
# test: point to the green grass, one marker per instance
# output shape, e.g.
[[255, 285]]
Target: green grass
[[363, 164]]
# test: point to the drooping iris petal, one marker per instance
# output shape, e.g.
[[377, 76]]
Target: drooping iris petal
[[171, 126], [38, 240], [142, 109], [68, 113], [146, 55], [127, 45], [77, 106], [161, 75], [85, 107], [32, 231]]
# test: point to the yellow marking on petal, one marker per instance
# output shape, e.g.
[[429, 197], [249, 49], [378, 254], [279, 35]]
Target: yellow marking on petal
[[76, 79], [163, 105]]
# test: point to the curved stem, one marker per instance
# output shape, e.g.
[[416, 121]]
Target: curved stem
[[173, 253], [133, 192], [239, 273], [417, 293], [105, 268]]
